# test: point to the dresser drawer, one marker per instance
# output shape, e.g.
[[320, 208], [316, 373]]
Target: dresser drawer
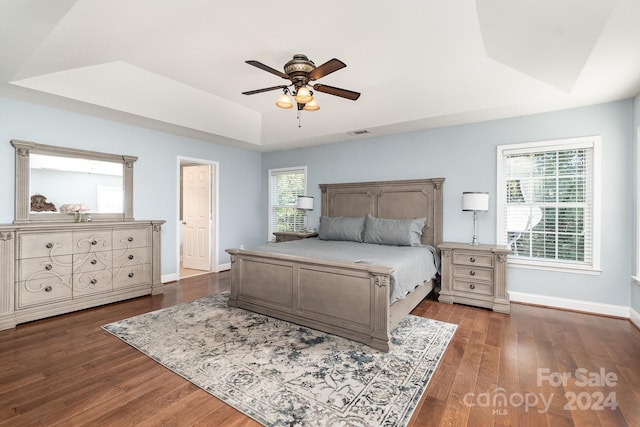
[[92, 282], [37, 245], [473, 273], [31, 267], [131, 256], [131, 275], [44, 288], [91, 241], [93, 261], [472, 287], [131, 238], [470, 258]]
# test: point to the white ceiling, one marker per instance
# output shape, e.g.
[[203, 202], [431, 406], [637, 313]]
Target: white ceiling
[[179, 66]]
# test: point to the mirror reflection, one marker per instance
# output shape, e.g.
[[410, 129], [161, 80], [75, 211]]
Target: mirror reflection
[[68, 184]]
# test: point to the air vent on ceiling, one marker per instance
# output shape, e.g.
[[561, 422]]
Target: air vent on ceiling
[[358, 132]]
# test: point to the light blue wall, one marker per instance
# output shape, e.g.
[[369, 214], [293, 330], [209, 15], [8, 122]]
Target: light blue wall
[[155, 173], [466, 156]]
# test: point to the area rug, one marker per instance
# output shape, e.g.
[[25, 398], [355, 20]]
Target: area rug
[[282, 374]]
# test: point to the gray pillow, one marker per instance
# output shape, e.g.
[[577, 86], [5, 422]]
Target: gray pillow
[[341, 228], [397, 232]]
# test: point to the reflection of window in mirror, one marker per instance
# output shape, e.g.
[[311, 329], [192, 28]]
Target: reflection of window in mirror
[[95, 184], [109, 199]]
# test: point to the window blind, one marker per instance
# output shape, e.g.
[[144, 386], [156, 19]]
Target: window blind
[[548, 202], [285, 187]]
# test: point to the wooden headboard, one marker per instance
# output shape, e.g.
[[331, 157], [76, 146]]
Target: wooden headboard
[[389, 199]]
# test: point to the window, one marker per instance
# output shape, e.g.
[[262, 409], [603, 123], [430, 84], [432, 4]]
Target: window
[[285, 185], [548, 203]]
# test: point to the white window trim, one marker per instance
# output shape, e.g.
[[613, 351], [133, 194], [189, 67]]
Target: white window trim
[[270, 173], [558, 144]]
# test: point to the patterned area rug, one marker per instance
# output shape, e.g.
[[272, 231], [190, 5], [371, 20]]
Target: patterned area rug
[[282, 374]]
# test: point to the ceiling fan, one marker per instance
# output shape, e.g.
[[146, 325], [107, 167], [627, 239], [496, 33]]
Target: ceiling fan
[[301, 71]]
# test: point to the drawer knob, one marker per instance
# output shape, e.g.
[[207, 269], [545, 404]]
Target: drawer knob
[[472, 273], [130, 256], [49, 245], [472, 286], [48, 289], [94, 261], [93, 242], [472, 259], [93, 281], [48, 267], [130, 239], [130, 274]]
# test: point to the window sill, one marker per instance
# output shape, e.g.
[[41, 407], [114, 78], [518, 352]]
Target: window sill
[[553, 267], [636, 280]]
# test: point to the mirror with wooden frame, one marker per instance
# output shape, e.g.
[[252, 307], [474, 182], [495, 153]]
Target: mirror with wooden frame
[[67, 184]]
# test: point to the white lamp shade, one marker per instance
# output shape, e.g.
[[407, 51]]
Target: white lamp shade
[[305, 202], [475, 201]]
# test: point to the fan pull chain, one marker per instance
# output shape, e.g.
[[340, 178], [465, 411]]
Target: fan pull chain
[[299, 125]]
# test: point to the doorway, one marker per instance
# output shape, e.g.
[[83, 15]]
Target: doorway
[[197, 236]]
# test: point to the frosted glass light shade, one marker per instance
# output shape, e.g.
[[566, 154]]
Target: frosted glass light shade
[[303, 95], [284, 101], [475, 201], [305, 202], [311, 105]]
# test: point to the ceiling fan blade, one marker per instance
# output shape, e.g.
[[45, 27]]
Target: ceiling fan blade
[[326, 68], [266, 89], [267, 68], [344, 93]]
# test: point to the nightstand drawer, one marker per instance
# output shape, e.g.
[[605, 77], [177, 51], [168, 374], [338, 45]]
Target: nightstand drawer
[[471, 258], [473, 273], [473, 287]]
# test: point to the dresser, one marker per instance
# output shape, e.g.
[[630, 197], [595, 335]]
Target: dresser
[[475, 275], [48, 269]]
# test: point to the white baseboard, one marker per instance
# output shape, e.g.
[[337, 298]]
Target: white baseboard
[[571, 304], [223, 267], [169, 278], [634, 317]]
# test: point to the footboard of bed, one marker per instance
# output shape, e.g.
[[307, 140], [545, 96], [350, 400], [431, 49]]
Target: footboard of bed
[[349, 300]]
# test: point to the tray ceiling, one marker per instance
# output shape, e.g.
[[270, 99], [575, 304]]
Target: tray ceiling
[[179, 66]]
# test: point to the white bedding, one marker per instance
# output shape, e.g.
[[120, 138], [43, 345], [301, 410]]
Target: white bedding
[[412, 265]]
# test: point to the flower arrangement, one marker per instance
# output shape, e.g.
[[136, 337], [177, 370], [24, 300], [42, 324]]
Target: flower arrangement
[[78, 209], [73, 208]]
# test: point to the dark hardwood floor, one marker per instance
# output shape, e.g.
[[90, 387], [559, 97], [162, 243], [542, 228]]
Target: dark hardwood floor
[[498, 370]]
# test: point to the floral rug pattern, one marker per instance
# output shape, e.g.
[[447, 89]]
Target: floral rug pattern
[[282, 374]]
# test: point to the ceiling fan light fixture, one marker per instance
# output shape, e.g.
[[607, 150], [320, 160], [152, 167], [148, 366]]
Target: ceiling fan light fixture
[[303, 95], [284, 101], [311, 106]]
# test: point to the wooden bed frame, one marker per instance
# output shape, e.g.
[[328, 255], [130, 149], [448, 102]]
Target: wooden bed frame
[[346, 299]]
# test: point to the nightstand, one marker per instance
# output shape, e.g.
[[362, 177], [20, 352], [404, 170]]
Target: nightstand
[[285, 236], [475, 275]]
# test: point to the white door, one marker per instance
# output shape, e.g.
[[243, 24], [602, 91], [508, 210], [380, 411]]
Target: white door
[[196, 213]]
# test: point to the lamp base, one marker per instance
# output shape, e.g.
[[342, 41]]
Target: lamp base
[[474, 241]]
